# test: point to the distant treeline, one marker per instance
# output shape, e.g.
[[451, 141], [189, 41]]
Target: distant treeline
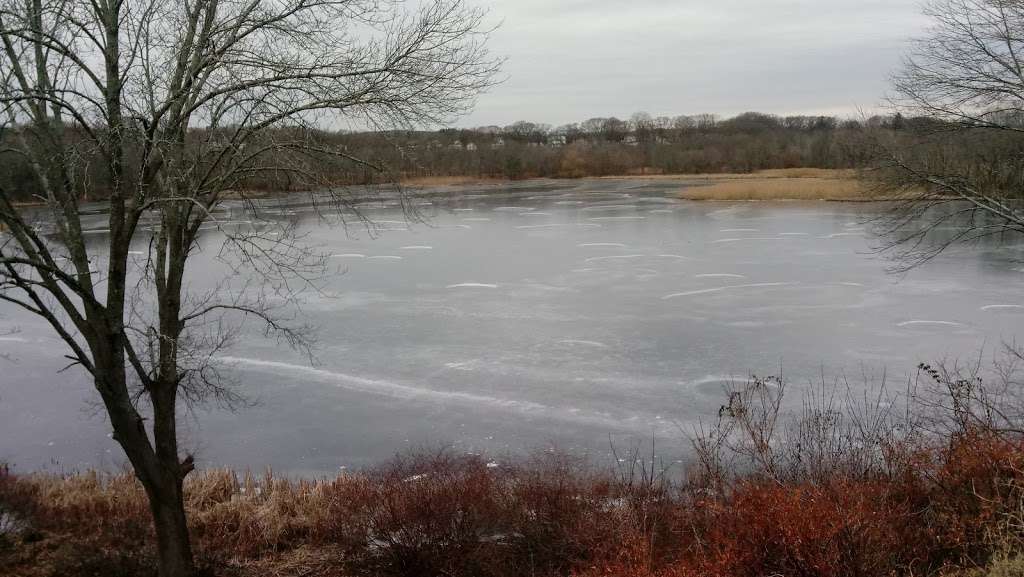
[[597, 147], [642, 145]]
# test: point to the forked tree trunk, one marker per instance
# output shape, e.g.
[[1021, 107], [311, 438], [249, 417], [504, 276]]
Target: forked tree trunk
[[160, 472], [163, 481]]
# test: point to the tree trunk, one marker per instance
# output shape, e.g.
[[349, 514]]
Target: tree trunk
[[159, 471], [167, 504]]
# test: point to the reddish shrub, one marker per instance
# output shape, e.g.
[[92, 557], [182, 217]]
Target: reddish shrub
[[842, 529], [976, 482]]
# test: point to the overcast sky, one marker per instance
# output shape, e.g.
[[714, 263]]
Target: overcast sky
[[569, 60]]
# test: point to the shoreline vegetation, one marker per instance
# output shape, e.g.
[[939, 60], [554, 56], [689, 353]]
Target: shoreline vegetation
[[927, 485], [808, 184], [821, 154]]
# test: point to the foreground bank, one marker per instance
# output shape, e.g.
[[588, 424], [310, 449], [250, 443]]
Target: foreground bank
[[871, 493]]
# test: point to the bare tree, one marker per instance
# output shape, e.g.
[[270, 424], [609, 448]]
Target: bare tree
[[955, 156], [175, 104]]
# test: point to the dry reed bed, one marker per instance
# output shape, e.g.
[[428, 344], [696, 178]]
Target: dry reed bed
[[781, 189], [787, 184], [774, 184], [446, 515]]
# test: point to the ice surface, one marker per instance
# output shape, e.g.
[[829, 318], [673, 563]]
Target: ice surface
[[534, 329]]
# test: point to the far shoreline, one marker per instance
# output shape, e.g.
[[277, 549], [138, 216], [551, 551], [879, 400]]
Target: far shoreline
[[775, 185]]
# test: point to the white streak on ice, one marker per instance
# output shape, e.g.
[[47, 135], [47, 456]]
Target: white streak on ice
[[555, 225], [406, 392], [722, 240], [613, 257], [583, 343], [381, 387], [725, 288], [461, 366], [609, 207], [472, 285]]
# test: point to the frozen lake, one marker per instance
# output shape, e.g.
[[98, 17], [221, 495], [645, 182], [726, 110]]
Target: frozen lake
[[557, 314]]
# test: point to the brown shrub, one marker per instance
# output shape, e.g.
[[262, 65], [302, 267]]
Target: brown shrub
[[428, 515]]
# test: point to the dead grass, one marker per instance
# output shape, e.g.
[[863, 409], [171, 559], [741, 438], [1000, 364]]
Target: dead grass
[[1003, 565], [761, 174], [788, 184], [776, 184], [780, 189], [829, 173]]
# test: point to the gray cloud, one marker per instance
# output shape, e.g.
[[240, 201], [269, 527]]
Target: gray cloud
[[569, 60]]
